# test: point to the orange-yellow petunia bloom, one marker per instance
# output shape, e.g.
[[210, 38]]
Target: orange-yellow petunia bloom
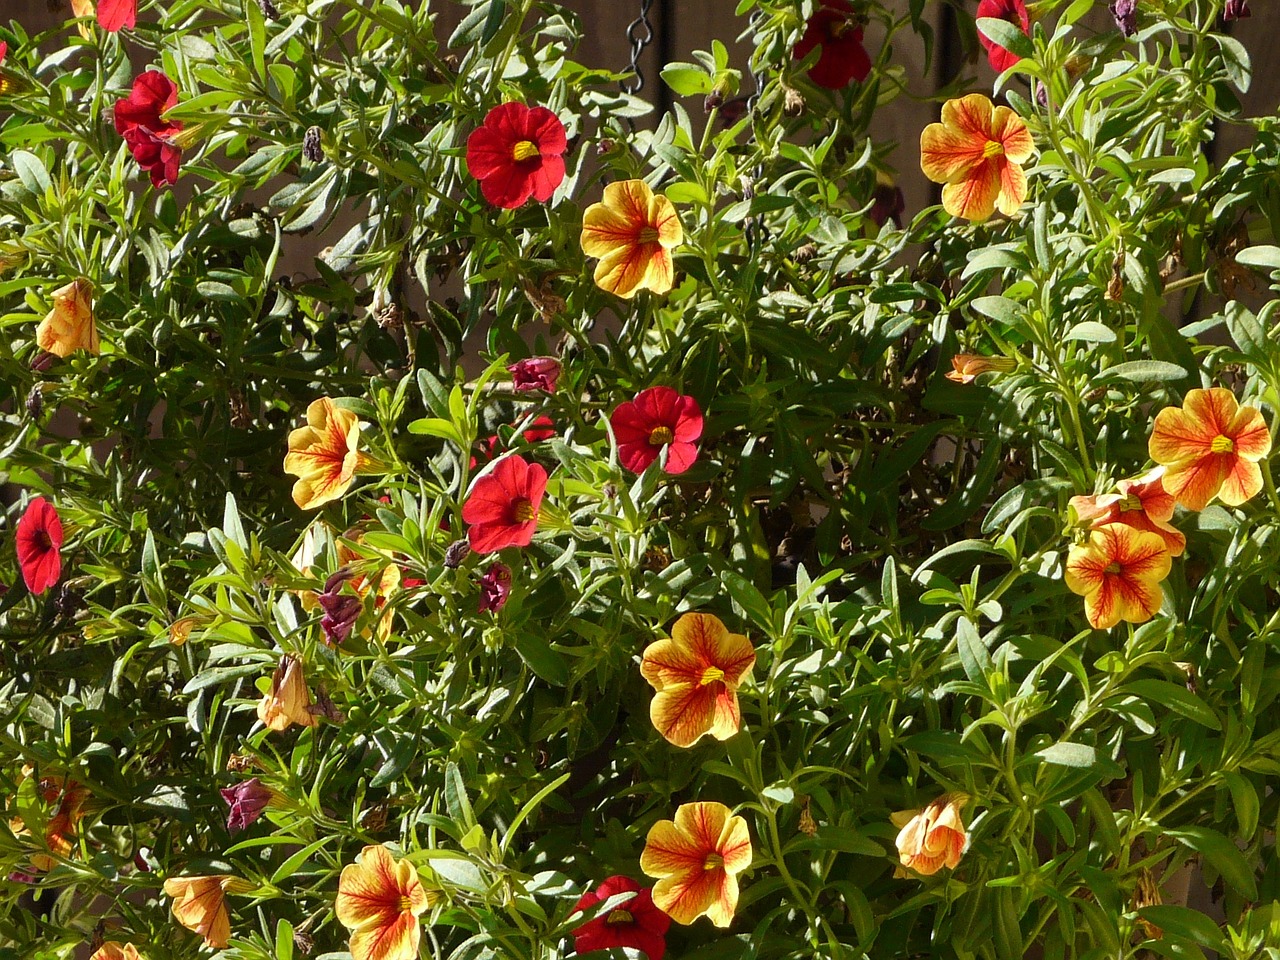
[[379, 901], [1210, 447], [1118, 572], [323, 454], [112, 950], [696, 675], [65, 799], [200, 904], [696, 859], [633, 232], [289, 700], [1143, 504], [931, 838], [70, 325], [976, 151], [967, 367]]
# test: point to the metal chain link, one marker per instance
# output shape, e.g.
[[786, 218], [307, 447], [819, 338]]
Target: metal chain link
[[639, 35]]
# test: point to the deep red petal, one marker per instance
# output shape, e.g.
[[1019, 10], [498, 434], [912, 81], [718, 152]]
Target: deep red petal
[[114, 14]]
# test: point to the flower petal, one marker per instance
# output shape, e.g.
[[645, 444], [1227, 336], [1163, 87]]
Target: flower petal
[[683, 713], [974, 198], [669, 851]]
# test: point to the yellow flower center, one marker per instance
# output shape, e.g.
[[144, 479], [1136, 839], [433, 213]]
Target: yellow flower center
[[992, 148], [660, 436], [1113, 567], [1222, 444], [713, 862], [619, 916], [523, 511], [1130, 503], [406, 904], [647, 235], [710, 675], [525, 150]]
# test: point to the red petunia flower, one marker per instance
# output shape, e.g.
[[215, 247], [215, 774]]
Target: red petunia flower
[[39, 543], [834, 27], [151, 138], [518, 153], [634, 923], [492, 447], [658, 417], [114, 14], [502, 507], [1015, 12]]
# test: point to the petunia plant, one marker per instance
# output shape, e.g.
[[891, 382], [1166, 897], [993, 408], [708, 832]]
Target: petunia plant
[[459, 507]]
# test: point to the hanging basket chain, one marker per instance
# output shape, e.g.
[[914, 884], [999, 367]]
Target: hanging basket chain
[[639, 35]]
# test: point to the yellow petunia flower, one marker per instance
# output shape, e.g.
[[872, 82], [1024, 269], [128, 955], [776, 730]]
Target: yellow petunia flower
[[633, 232], [200, 905], [289, 700], [696, 859], [70, 325], [932, 838], [379, 901], [976, 151], [323, 454]]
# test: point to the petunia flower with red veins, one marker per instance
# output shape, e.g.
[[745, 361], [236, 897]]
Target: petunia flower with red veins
[[1143, 504], [976, 151], [324, 454], [1012, 11], [114, 14], [696, 859], [837, 31], [518, 153], [633, 231], [140, 121], [634, 923], [39, 539], [379, 901], [696, 674], [1118, 570], [931, 838], [967, 367], [502, 507], [658, 417], [200, 905], [1210, 447]]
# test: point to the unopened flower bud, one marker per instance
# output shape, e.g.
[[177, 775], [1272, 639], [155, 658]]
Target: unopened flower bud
[[35, 402], [535, 373], [603, 147], [968, 367], [311, 145], [269, 10], [495, 587], [1125, 13], [713, 100], [1236, 10], [456, 553], [246, 801], [43, 360]]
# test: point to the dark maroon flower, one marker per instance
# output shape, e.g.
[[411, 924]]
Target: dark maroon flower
[[495, 587], [835, 29], [149, 137], [39, 539], [1125, 13], [889, 205], [634, 923], [1236, 10], [658, 417], [341, 610], [535, 373], [1013, 11], [246, 800]]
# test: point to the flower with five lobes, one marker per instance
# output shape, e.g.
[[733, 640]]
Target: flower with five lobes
[[834, 30], [1143, 504], [502, 507], [931, 838], [379, 901], [976, 151], [696, 859], [69, 326], [1210, 447], [140, 122], [634, 923], [516, 154], [289, 700], [323, 455], [39, 541], [658, 417], [633, 232], [696, 674], [200, 905], [1118, 570]]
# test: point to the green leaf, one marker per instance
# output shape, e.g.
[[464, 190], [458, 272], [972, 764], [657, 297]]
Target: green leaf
[[1068, 754], [543, 659], [1142, 371], [497, 11], [31, 172], [1245, 800], [1091, 332], [257, 39], [973, 652], [686, 79], [1264, 256], [1007, 35], [455, 796], [1185, 923], [1177, 698], [1222, 854]]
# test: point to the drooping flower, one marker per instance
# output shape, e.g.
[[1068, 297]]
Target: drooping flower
[[39, 541], [535, 373], [976, 151], [1118, 570], [114, 14], [140, 121], [888, 203], [502, 507], [634, 923], [1236, 10], [341, 609], [931, 838], [1210, 447], [837, 30], [70, 325], [1012, 11], [1125, 13], [289, 700], [696, 859], [245, 801], [967, 367], [379, 901], [696, 674], [633, 232], [65, 800], [1143, 504], [658, 417], [495, 587], [517, 153], [324, 454], [200, 905], [114, 950]]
